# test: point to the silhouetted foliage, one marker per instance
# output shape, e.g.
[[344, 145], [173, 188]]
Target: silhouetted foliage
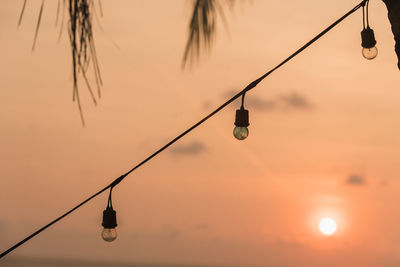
[[202, 26], [393, 7], [82, 46], [202, 31], [80, 13]]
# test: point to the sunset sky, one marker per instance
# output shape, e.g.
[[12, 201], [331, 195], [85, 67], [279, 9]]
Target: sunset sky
[[324, 138]]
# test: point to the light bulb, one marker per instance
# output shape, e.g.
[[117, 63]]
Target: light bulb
[[240, 133], [109, 234], [370, 53], [368, 43]]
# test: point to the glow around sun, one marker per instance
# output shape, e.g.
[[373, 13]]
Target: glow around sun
[[327, 226]]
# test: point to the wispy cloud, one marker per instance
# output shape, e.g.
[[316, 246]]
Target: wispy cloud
[[167, 233], [288, 242], [289, 101], [296, 100], [261, 104], [356, 180], [201, 226], [193, 148], [172, 233]]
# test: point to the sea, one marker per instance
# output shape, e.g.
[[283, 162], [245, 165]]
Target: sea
[[35, 262]]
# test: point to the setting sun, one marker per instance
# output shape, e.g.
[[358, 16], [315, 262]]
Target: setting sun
[[327, 226]]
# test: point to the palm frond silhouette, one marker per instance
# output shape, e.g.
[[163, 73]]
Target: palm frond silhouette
[[201, 35], [202, 30], [83, 50], [202, 27]]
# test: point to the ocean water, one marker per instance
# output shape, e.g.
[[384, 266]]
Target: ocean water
[[30, 262]]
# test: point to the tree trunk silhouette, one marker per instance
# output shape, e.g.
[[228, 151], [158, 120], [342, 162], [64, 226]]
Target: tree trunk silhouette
[[393, 7]]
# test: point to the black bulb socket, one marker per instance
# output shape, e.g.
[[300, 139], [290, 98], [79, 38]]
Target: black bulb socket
[[109, 218], [242, 117], [368, 38]]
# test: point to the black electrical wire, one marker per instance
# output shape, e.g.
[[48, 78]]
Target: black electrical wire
[[363, 11], [243, 95], [366, 14], [246, 89], [109, 202], [367, 8]]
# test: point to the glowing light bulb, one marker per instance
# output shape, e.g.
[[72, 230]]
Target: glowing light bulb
[[368, 43], [370, 53], [109, 234], [240, 133]]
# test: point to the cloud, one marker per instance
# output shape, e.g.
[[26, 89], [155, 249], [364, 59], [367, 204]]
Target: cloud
[[254, 103], [201, 226], [207, 104], [261, 104], [295, 100], [384, 182], [4, 228], [288, 242], [192, 148], [166, 233], [356, 180], [292, 101], [172, 233]]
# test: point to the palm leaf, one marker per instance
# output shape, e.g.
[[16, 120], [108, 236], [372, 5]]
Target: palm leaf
[[38, 25], [22, 13], [202, 27], [83, 48]]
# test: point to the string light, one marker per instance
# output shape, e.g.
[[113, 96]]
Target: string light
[[241, 122], [369, 50], [109, 232]]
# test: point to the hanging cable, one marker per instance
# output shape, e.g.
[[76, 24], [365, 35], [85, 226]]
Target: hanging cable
[[109, 202], [367, 8], [369, 50], [109, 232], [363, 12], [241, 131], [241, 93]]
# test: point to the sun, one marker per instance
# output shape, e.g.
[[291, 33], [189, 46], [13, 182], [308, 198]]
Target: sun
[[327, 226]]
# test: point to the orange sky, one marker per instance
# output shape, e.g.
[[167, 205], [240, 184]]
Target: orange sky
[[210, 199]]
